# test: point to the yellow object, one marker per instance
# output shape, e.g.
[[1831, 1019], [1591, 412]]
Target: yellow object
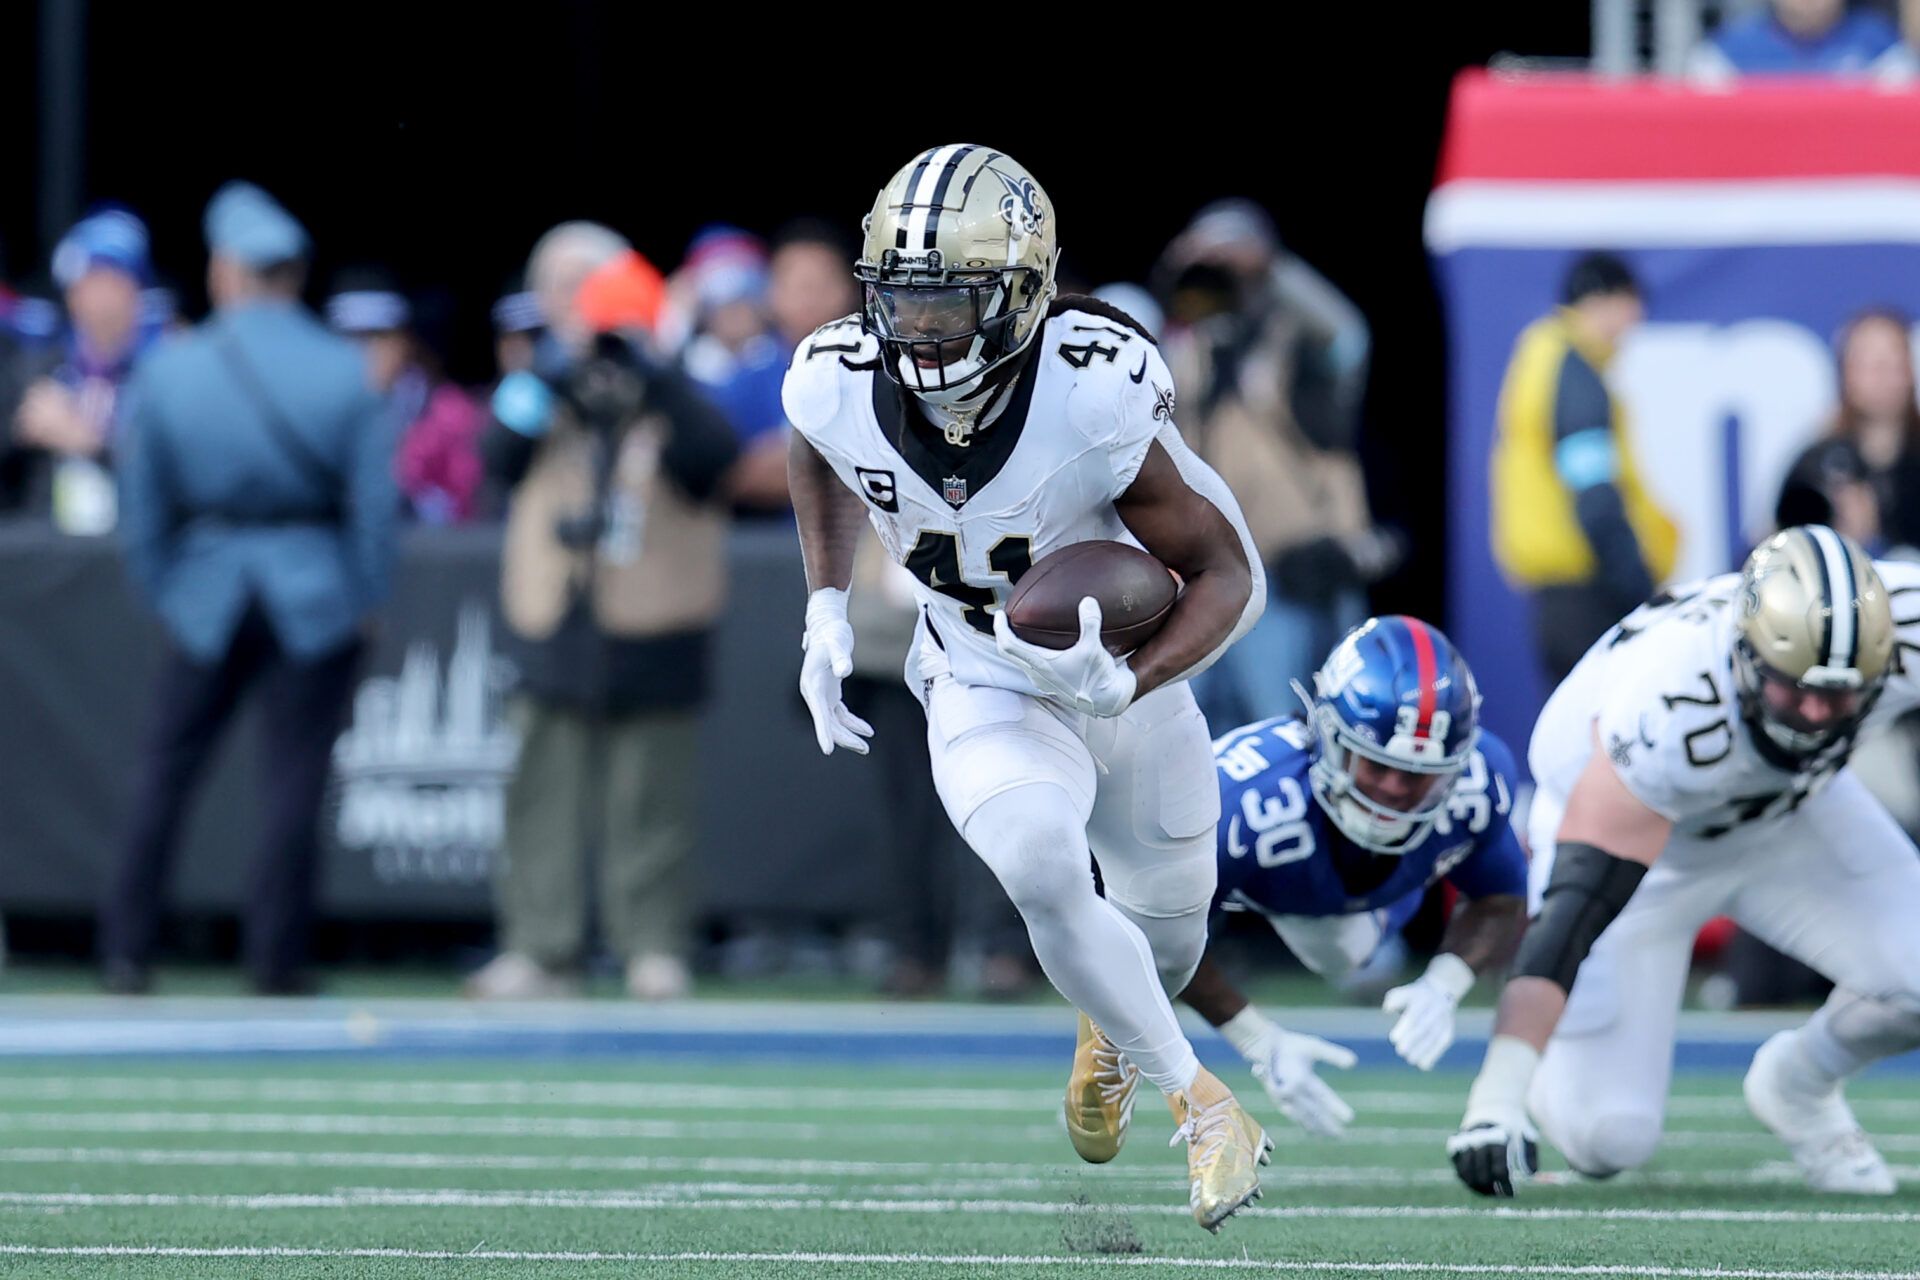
[[1225, 1149], [1100, 1095], [1537, 538]]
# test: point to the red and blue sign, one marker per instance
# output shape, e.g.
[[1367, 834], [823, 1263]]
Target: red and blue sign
[[1758, 222]]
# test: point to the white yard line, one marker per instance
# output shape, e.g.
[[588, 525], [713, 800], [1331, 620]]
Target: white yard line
[[578, 1163], [558, 1126], [982, 1174], [641, 1095], [468, 1093], [963, 1260], [651, 1198], [614, 1128]]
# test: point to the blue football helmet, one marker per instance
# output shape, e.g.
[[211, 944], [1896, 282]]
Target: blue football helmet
[[1393, 693]]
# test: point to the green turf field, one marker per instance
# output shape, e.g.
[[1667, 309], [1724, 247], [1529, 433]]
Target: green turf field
[[674, 1168]]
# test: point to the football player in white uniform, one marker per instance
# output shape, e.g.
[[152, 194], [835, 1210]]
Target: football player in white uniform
[[1693, 765], [980, 422]]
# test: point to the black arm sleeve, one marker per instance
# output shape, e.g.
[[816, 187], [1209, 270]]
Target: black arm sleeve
[[1589, 887], [700, 446], [1581, 403]]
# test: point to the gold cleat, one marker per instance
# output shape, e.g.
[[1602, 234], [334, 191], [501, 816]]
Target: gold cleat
[[1099, 1095], [1225, 1149]]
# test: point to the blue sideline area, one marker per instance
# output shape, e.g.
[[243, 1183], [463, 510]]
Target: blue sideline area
[[46, 1027]]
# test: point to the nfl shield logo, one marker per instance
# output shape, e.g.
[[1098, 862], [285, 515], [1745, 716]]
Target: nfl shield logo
[[954, 490]]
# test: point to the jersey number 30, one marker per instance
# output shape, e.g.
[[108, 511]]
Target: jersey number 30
[[1281, 832], [935, 560]]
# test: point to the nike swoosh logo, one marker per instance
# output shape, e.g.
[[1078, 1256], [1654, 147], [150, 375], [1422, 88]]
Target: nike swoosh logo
[[1143, 369]]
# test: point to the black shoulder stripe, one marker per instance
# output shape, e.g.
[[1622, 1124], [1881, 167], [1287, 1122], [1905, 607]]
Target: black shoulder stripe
[[1094, 306]]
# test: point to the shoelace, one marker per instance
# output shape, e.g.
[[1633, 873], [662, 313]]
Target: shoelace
[[1207, 1128], [1115, 1082], [1112, 1075]]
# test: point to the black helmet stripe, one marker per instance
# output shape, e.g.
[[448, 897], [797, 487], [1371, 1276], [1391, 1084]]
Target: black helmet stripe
[[1842, 641], [919, 204], [940, 195], [906, 203]]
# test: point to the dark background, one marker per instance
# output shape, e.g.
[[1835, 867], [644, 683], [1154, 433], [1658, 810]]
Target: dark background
[[443, 145]]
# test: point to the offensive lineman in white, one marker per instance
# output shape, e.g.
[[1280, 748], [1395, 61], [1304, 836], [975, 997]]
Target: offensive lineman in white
[[979, 422], [1693, 765]]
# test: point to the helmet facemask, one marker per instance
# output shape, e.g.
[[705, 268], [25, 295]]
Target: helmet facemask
[[1348, 764], [1777, 705], [943, 331]]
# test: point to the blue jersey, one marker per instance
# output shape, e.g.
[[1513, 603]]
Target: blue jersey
[[1279, 855]]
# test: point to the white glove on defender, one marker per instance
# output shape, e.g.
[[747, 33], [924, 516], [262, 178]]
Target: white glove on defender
[[829, 648], [1425, 1006], [1085, 677], [1284, 1061]]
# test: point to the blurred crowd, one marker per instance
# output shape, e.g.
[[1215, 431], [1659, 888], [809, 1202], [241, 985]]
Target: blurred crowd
[[1870, 40], [255, 468]]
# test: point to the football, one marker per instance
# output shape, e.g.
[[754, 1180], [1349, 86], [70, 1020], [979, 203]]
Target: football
[[1136, 593]]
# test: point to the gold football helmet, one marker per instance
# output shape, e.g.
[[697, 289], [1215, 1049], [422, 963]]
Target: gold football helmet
[[1815, 638], [958, 266]]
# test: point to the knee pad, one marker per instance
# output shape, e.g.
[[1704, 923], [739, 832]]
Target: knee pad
[[1613, 1143], [1169, 890], [1032, 841], [1040, 875], [1177, 943]]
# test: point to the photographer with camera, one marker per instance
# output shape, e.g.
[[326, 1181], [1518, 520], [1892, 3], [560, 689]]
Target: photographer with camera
[[1271, 361], [613, 575]]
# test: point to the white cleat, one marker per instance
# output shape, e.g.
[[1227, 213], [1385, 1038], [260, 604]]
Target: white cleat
[[1827, 1142]]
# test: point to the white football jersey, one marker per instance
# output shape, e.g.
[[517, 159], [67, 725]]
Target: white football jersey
[[1658, 692], [1076, 428]]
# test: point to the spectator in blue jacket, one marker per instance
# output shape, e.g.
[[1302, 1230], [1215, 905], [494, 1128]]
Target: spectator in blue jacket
[[59, 397], [257, 506], [1805, 38]]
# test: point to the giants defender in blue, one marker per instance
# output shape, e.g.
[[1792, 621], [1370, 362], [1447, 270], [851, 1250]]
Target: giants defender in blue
[[1333, 828]]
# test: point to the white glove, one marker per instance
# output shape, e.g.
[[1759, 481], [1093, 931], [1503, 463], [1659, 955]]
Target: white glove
[[1085, 677], [1426, 1005], [829, 648], [1283, 1063]]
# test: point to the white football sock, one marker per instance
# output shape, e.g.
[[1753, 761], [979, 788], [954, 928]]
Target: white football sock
[[1849, 1033]]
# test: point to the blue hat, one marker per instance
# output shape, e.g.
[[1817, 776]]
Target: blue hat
[[722, 283], [112, 238], [367, 300], [246, 224], [518, 312]]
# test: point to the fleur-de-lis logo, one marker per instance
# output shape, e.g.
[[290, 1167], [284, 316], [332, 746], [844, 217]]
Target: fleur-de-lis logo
[[1021, 205]]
